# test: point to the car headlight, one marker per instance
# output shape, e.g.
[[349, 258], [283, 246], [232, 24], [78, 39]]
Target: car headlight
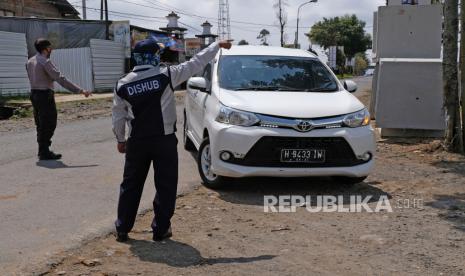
[[357, 119], [235, 117]]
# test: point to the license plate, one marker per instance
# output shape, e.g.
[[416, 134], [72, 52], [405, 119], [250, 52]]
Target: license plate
[[303, 155]]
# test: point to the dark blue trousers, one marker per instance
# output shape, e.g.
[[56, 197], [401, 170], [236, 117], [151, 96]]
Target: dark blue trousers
[[140, 153], [45, 117]]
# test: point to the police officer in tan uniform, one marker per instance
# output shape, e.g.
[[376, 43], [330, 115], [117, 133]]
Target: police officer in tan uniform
[[42, 74]]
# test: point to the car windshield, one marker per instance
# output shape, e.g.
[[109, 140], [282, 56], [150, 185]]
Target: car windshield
[[275, 73]]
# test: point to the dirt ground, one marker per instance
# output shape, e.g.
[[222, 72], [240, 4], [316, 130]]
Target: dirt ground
[[227, 232], [84, 109], [67, 112]]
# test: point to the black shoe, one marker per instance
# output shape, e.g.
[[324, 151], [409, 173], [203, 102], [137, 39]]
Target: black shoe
[[122, 237], [49, 156], [168, 234]]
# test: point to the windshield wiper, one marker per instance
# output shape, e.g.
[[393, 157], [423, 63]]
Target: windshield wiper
[[269, 88], [323, 89]]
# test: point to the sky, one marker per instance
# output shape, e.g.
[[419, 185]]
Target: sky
[[248, 17]]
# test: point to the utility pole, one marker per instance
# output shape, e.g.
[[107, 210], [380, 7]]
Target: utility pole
[[296, 43], [84, 10], [107, 23], [101, 9], [104, 7]]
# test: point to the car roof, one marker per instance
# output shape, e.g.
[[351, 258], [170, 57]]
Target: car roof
[[247, 50]]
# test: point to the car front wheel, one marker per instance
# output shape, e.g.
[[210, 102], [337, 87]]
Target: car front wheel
[[204, 162]]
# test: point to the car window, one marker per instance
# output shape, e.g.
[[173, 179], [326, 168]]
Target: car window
[[271, 73], [207, 72]]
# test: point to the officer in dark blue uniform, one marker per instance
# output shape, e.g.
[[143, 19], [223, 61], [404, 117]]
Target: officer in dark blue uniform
[[144, 99]]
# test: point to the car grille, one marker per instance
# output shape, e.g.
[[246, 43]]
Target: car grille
[[267, 152]]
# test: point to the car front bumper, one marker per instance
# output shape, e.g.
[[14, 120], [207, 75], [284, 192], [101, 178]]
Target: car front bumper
[[240, 141]]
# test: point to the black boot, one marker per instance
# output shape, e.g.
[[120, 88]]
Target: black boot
[[50, 155], [122, 237], [159, 237]]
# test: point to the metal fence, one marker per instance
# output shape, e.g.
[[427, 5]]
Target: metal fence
[[108, 58], [76, 65], [13, 58]]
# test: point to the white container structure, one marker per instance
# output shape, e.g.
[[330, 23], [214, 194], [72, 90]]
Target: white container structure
[[13, 57]]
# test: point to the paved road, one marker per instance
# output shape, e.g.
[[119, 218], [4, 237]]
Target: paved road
[[48, 206]]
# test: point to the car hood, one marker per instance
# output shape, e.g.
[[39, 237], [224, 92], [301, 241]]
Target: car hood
[[305, 105]]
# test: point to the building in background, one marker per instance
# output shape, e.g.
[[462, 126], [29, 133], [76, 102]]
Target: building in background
[[177, 35], [36, 8], [192, 46], [207, 37]]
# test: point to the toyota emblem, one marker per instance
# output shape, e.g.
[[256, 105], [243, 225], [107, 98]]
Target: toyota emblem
[[304, 126]]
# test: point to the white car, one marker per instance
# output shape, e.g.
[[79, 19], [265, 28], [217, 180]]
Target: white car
[[369, 72], [267, 111]]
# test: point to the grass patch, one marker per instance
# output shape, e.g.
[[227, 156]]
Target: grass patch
[[344, 76], [22, 112]]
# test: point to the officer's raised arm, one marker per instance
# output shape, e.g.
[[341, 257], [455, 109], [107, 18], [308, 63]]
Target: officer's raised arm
[[182, 72]]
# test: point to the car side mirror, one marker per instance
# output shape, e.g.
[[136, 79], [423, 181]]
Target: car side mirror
[[350, 86], [197, 83]]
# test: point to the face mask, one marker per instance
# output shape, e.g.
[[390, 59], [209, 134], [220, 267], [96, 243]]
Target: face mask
[[48, 52]]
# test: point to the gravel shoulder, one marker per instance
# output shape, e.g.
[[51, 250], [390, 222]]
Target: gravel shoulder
[[227, 232]]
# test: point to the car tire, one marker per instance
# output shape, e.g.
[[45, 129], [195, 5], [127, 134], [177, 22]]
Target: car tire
[[188, 144], [349, 181], [209, 179]]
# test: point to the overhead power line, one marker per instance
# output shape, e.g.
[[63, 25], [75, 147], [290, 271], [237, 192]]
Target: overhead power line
[[249, 28], [168, 8]]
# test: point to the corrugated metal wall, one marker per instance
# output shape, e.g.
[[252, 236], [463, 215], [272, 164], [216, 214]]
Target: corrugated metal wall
[[13, 58], [108, 63], [76, 65]]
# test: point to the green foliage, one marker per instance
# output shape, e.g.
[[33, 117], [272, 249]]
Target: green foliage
[[347, 31], [344, 76], [263, 36], [361, 64], [243, 42], [22, 112]]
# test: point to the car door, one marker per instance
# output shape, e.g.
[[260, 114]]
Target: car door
[[198, 99], [189, 105]]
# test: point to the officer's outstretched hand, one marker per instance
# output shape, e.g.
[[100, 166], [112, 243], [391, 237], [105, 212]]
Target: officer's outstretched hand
[[225, 44], [121, 147]]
